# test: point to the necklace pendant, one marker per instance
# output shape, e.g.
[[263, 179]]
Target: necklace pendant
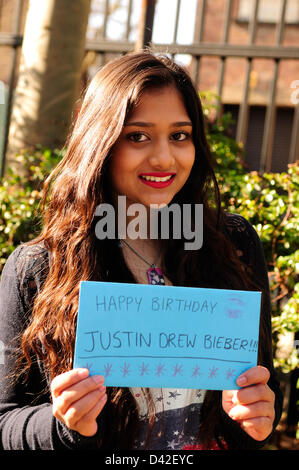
[[155, 276]]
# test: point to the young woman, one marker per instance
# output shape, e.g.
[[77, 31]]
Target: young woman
[[140, 134]]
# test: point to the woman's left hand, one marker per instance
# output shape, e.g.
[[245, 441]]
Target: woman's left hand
[[253, 405]]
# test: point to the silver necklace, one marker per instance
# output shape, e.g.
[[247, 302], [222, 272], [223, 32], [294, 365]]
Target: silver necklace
[[154, 274]]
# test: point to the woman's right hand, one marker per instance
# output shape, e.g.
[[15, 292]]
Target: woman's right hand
[[78, 399]]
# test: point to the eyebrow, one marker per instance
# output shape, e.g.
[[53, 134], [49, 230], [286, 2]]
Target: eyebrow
[[151, 124]]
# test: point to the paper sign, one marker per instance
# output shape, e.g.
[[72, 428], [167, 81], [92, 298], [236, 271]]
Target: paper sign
[[138, 335]]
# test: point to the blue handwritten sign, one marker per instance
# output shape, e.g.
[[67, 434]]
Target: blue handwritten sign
[[138, 335]]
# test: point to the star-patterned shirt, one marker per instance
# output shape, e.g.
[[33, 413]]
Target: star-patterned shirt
[[176, 417]]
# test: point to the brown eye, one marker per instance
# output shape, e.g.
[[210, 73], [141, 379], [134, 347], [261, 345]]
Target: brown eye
[[137, 137], [180, 136]]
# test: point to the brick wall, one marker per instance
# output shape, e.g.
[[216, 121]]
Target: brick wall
[[262, 70]]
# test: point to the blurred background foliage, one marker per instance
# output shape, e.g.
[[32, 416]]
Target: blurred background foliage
[[20, 196]]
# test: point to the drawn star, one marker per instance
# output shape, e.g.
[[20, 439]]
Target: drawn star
[[174, 394], [176, 433], [196, 372], [160, 370], [159, 398], [89, 367], [213, 372], [230, 373], [177, 370], [144, 369], [107, 368], [125, 369]]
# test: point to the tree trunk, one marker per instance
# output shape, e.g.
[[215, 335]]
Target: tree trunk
[[146, 22], [49, 77]]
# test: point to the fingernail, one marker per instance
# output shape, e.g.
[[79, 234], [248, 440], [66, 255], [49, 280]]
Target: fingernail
[[98, 379], [104, 398], [242, 380], [83, 372]]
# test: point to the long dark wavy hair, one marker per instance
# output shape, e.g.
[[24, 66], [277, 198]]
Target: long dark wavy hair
[[71, 194]]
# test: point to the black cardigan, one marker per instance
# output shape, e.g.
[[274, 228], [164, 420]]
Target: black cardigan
[[26, 419]]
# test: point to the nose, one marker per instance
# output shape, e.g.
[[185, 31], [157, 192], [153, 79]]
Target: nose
[[162, 155]]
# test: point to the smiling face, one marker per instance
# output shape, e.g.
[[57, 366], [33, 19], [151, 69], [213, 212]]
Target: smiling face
[[154, 155]]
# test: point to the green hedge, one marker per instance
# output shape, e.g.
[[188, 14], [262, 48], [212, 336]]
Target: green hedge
[[20, 218]]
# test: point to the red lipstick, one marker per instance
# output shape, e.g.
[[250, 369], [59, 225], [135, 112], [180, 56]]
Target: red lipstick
[[158, 184]]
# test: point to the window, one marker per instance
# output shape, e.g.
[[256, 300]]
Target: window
[[255, 131], [268, 11]]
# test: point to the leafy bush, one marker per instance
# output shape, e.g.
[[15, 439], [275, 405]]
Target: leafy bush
[[20, 218]]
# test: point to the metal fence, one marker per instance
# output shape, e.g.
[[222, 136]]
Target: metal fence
[[223, 50]]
